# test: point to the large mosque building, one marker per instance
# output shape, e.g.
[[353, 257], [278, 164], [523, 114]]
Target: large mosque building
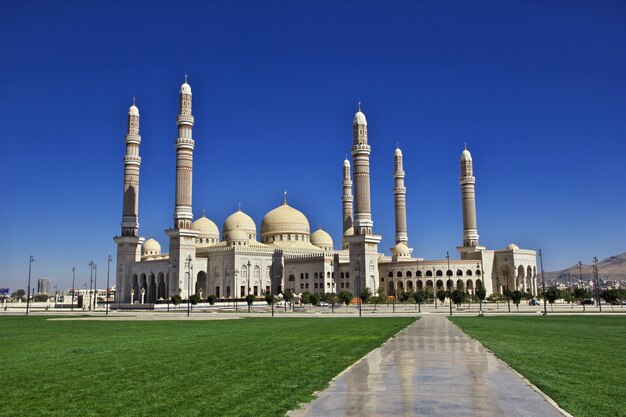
[[286, 256]]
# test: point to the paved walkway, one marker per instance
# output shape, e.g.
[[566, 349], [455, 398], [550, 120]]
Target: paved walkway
[[430, 369]]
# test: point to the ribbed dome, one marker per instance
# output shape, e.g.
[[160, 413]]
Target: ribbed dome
[[512, 246], [238, 235], [151, 247], [185, 88], [322, 239], [239, 220], [349, 232], [401, 250], [206, 228], [133, 111], [284, 220], [359, 119]]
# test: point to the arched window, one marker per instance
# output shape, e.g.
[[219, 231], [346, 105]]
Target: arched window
[[409, 274], [390, 275], [429, 273], [459, 273], [439, 273], [399, 274], [468, 272], [418, 274]]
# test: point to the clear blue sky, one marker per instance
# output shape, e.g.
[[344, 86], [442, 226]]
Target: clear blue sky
[[536, 89]]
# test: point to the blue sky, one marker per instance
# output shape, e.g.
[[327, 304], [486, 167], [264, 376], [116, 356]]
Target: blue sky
[[536, 89]]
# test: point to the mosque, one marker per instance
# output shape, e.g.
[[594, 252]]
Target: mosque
[[287, 256]]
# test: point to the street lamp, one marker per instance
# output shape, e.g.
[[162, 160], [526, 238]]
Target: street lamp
[[543, 284], [508, 295], [95, 286], [358, 282], [449, 274], [580, 272], [91, 264], [236, 285], [30, 264], [55, 295], [73, 286], [332, 287], [108, 270], [595, 268], [189, 268], [248, 283]]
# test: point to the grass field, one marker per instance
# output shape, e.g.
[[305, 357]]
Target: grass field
[[250, 367], [580, 362]]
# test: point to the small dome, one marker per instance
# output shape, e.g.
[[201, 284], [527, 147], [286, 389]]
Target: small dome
[[512, 246], [359, 119], [238, 235], [150, 247], [401, 250], [349, 232], [466, 155], [206, 228], [185, 88], [322, 239], [239, 220], [398, 152], [284, 219], [133, 111], [346, 163]]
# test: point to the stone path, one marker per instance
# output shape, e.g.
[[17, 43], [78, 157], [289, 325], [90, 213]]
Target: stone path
[[430, 369]]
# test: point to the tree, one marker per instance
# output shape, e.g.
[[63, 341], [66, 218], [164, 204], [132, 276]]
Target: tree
[[459, 295], [441, 294], [366, 293], [314, 299], [610, 296], [580, 294], [19, 294], [551, 295], [288, 296], [516, 296], [345, 297], [270, 299], [41, 297], [405, 296], [176, 299], [428, 292], [419, 297], [211, 299], [250, 299], [195, 299], [480, 293], [306, 297]]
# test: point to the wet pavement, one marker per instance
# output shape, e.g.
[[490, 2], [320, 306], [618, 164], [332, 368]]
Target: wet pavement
[[429, 369]]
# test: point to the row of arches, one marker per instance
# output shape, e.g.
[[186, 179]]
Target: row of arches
[[438, 285], [436, 273]]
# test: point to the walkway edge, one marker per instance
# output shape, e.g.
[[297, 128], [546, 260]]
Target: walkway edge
[[522, 377]]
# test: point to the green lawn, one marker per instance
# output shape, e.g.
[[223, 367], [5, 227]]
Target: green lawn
[[578, 361], [250, 367]]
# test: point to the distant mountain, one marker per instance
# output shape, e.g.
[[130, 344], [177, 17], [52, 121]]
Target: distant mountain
[[612, 268]]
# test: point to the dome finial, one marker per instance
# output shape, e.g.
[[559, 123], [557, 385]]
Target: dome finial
[[397, 145], [465, 145], [238, 206], [203, 215], [185, 77], [285, 197], [133, 100], [359, 105]]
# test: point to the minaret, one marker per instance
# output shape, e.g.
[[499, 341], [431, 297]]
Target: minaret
[[183, 215], [468, 196], [363, 245], [129, 242], [182, 236], [399, 198], [346, 199], [361, 161]]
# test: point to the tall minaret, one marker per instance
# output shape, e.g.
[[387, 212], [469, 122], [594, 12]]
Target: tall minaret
[[346, 199], [363, 245], [182, 236], [399, 198], [183, 215], [361, 161], [468, 196], [129, 242]]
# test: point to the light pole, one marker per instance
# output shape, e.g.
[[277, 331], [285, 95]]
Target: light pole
[[95, 287], [332, 287], [108, 270], [358, 282], [449, 274], [55, 295], [91, 264], [236, 285], [73, 286], [508, 298], [595, 267], [30, 264], [248, 283], [580, 272], [249, 265], [188, 284], [543, 284]]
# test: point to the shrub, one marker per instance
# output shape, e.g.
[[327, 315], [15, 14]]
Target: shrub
[[176, 299], [345, 297], [211, 299]]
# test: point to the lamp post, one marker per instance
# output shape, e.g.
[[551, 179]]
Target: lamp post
[[543, 284], [95, 287], [358, 282], [449, 274], [107, 296], [248, 284], [236, 285], [91, 264], [189, 267], [332, 287], [73, 286], [508, 298], [30, 264], [580, 272], [595, 268]]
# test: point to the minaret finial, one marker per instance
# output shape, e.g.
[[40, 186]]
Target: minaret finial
[[185, 76], [285, 197], [203, 215], [133, 100], [465, 145], [397, 145], [238, 206], [359, 106]]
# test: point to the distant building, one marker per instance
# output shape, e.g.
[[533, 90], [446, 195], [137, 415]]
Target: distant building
[[43, 286]]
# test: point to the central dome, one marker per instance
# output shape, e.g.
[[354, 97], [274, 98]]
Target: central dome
[[285, 220]]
